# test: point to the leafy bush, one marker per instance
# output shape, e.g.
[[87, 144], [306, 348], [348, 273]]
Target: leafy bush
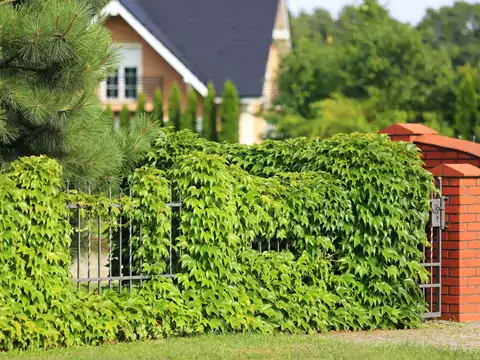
[[347, 215]]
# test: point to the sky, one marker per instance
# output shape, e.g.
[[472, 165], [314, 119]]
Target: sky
[[405, 10]]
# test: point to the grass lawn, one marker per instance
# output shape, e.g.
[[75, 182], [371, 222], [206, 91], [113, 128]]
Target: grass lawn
[[250, 347]]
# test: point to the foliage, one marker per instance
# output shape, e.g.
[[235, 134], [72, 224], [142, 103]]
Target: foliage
[[296, 236], [308, 75], [157, 114], [174, 107], [52, 58], [369, 57], [456, 28], [141, 103], [467, 118], [230, 113], [209, 128], [189, 117], [125, 119]]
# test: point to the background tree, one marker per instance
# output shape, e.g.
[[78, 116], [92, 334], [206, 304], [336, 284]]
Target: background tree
[[457, 28], [125, 118], [209, 125], [157, 114], [369, 57], [174, 107], [467, 119], [189, 117], [230, 113]]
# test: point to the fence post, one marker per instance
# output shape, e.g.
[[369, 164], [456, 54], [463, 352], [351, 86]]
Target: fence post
[[461, 242]]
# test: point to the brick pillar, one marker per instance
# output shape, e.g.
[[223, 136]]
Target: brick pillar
[[461, 242]]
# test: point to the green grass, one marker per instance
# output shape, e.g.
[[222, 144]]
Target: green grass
[[250, 347]]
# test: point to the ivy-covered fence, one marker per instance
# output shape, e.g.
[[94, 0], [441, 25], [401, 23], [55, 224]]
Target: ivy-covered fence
[[351, 210]]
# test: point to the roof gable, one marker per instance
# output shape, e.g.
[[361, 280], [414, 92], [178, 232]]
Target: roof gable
[[216, 40]]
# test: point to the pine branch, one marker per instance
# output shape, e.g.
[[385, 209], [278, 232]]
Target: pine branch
[[64, 35]]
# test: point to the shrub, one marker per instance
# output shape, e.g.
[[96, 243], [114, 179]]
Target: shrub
[[209, 126], [174, 107], [157, 114], [189, 118], [230, 114], [125, 119], [296, 236], [141, 104]]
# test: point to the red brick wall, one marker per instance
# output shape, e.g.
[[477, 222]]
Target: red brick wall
[[457, 162], [434, 156], [461, 243]]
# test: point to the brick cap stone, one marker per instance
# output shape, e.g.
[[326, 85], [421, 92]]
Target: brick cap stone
[[408, 129], [464, 146], [456, 170]]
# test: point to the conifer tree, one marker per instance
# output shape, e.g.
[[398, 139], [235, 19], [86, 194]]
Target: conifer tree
[[157, 115], [52, 59], [125, 118], [189, 118], [230, 113], [141, 104], [174, 107], [209, 126], [467, 118]]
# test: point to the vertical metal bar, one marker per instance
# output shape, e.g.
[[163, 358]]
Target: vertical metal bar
[[130, 225], [110, 240], [268, 244], [99, 254], [120, 252], [260, 246], [89, 238], [79, 244], [278, 245]]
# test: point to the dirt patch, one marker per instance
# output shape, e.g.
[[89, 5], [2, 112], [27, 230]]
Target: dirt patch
[[437, 333]]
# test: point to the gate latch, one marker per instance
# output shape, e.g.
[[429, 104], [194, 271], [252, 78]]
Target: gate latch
[[438, 212]]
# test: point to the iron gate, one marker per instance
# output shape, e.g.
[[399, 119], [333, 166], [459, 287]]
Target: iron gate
[[432, 290]]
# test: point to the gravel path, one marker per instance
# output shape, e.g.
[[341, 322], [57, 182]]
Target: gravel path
[[438, 333]]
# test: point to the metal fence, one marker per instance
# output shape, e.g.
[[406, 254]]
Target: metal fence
[[432, 290], [106, 255]]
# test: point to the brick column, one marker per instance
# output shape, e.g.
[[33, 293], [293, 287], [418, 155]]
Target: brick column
[[461, 242]]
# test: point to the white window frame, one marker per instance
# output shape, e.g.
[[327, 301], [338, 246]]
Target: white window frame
[[125, 63]]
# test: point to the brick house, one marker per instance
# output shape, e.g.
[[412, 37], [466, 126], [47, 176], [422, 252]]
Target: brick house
[[191, 42]]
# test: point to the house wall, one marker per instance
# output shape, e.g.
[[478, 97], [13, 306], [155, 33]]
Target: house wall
[[153, 64]]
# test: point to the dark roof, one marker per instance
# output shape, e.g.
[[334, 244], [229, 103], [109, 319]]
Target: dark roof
[[217, 40]]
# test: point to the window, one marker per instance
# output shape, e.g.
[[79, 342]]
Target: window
[[131, 83], [112, 86]]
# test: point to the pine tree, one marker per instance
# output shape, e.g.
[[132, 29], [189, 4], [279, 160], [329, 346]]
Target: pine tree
[[189, 118], [52, 59], [157, 114], [125, 118], [209, 127], [230, 113], [174, 107], [467, 118]]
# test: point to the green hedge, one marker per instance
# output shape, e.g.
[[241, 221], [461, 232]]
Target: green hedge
[[352, 209]]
